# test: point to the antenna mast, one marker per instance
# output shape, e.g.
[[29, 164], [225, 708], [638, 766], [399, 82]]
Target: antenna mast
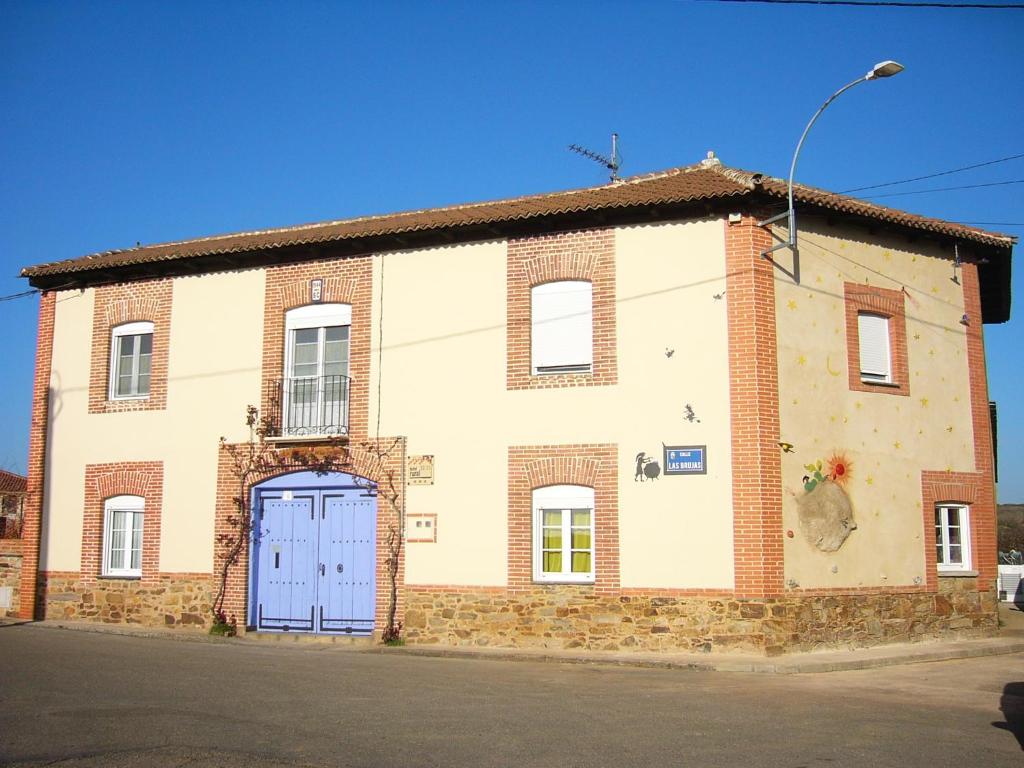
[[611, 164]]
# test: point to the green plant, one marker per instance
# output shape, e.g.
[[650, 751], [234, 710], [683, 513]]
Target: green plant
[[223, 625]]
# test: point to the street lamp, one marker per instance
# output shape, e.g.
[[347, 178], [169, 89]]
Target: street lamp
[[882, 69]]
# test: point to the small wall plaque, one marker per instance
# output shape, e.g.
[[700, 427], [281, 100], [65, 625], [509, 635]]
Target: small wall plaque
[[316, 290], [420, 470], [686, 460]]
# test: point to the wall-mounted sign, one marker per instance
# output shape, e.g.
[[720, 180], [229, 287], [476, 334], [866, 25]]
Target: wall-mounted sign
[[420, 470], [686, 460], [316, 290]]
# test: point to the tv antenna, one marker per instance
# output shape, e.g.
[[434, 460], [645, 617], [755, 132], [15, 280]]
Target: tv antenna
[[611, 164]]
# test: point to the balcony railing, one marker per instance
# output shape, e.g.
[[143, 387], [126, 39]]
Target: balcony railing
[[309, 406]]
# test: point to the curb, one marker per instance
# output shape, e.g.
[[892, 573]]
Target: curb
[[807, 663], [801, 663]]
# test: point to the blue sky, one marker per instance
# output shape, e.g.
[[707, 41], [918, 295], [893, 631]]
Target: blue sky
[[125, 122]]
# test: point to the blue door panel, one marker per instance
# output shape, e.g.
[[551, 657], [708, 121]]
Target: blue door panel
[[347, 546], [287, 554], [314, 558]]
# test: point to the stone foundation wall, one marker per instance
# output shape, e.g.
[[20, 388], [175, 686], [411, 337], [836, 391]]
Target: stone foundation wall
[[10, 575], [171, 600], [576, 617]]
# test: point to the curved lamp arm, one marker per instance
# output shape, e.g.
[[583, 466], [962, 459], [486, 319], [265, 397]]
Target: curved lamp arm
[[882, 69]]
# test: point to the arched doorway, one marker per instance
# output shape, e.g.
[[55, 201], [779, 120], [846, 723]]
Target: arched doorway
[[313, 556]]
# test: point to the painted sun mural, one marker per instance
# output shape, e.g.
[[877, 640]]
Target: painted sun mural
[[825, 510]]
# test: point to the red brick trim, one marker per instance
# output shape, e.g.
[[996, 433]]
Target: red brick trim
[[456, 588], [130, 478], [963, 488], [37, 439], [850, 591], [890, 304], [12, 546], [127, 303], [356, 460], [531, 467], [754, 414], [345, 281], [983, 510], [976, 489], [531, 261], [676, 592]]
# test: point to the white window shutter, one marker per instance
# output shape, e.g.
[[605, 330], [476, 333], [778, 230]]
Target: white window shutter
[[873, 334], [562, 327]]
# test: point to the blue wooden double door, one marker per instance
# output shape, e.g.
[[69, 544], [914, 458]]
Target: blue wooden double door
[[314, 555]]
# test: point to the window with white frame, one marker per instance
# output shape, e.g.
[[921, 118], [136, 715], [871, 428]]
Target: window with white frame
[[563, 533], [122, 536], [131, 358], [315, 387], [952, 537], [875, 350], [562, 327]]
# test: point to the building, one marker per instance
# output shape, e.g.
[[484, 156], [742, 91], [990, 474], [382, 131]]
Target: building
[[12, 502], [602, 416]]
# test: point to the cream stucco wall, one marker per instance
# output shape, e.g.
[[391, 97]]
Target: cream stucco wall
[[443, 386], [213, 372], [888, 439]]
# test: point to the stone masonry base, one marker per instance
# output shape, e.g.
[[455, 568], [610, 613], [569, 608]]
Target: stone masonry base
[[10, 577], [172, 600], [575, 617]]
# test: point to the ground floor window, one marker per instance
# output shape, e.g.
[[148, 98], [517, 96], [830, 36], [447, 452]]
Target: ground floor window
[[952, 537], [122, 536], [563, 533]]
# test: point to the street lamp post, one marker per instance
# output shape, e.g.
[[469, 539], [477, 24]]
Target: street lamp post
[[882, 69]]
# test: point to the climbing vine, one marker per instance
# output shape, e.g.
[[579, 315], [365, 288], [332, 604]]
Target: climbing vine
[[256, 459]]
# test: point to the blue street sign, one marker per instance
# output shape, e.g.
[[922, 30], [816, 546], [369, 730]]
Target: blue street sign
[[686, 460]]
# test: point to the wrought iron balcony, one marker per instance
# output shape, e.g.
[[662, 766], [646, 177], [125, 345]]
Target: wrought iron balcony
[[308, 406]]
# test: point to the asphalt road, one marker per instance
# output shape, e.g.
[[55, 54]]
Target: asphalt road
[[81, 699]]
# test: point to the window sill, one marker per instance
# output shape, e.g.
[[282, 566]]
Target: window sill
[[943, 574], [564, 582], [128, 398], [884, 384], [121, 577]]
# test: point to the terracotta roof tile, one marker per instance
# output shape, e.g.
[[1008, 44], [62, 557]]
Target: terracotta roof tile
[[12, 483], [701, 182]]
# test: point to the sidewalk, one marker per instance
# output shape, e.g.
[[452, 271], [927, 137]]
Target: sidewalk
[[1009, 640]]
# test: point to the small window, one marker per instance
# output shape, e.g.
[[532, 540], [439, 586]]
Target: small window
[[122, 536], [563, 534], [562, 327], [875, 356], [131, 352], [952, 537]]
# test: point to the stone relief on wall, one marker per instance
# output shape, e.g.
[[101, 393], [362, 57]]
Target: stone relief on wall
[[825, 511]]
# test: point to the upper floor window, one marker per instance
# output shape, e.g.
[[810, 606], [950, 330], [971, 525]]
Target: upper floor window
[[563, 533], [316, 362], [131, 351], [122, 536], [875, 354], [952, 537], [562, 327], [876, 339]]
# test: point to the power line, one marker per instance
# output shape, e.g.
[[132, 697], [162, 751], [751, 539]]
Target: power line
[[991, 223], [883, 4], [931, 175], [947, 189], [13, 296]]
